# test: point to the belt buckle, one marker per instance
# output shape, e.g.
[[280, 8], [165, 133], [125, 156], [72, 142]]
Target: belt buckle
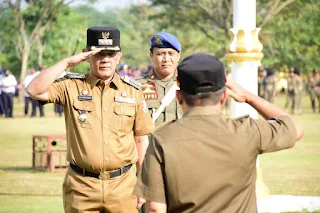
[[104, 175]]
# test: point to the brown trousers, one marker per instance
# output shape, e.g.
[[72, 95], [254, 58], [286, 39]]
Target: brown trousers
[[87, 194]]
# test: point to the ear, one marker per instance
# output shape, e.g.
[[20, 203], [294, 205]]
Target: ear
[[179, 56], [150, 54], [179, 97], [119, 57], [224, 96]]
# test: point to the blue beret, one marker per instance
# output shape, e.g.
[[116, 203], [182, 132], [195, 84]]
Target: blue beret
[[165, 40], [201, 73]]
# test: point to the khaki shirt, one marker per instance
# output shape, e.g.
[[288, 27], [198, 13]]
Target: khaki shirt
[[115, 114], [154, 90], [205, 162]]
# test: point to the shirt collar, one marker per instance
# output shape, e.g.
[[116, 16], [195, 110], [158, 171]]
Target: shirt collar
[[94, 80], [202, 111], [153, 75]]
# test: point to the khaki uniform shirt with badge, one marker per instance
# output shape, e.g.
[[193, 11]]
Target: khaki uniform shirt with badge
[[205, 162], [154, 90], [115, 113]]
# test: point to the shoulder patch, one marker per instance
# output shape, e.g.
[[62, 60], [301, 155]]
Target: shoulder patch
[[74, 75], [149, 90], [131, 82], [241, 117], [161, 126]]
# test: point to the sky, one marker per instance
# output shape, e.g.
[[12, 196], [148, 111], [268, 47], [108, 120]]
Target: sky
[[102, 5]]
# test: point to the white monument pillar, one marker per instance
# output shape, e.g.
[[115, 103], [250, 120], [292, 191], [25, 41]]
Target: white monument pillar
[[244, 56]]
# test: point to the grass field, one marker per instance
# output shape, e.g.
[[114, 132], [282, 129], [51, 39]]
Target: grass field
[[22, 189]]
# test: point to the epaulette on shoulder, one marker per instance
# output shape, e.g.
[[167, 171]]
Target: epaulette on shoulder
[[61, 79], [74, 75], [241, 117], [131, 82], [139, 78], [161, 126]]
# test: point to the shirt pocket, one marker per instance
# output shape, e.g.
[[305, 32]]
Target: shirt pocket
[[88, 107], [124, 116]]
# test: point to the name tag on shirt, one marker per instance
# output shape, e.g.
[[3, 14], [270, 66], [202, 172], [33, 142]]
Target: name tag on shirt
[[85, 98], [124, 100]]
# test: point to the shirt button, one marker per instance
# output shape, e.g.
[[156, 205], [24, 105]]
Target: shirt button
[[106, 142], [104, 94], [105, 109], [107, 159], [105, 126]]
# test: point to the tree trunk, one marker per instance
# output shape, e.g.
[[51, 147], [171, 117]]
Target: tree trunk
[[41, 48], [24, 69]]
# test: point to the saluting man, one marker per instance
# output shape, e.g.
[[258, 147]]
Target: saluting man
[[205, 162], [159, 86], [107, 124]]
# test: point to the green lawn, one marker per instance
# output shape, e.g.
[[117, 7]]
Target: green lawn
[[22, 189]]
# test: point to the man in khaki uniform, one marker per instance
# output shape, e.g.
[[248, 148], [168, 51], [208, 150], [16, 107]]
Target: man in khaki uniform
[[205, 162], [107, 124], [298, 91], [269, 85], [311, 87], [165, 53]]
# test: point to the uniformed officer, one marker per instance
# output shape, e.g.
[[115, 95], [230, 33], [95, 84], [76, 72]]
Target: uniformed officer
[[269, 85], [107, 124], [298, 91], [290, 91], [311, 85], [205, 162], [159, 85]]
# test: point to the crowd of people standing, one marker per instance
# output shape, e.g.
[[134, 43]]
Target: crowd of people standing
[[295, 88]]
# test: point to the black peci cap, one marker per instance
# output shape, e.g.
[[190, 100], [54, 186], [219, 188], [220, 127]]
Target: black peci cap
[[201, 73], [107, 38]]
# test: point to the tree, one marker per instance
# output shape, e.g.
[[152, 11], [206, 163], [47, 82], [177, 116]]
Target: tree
[[45, 12], [293, 38], [212, 17], [32, 23]]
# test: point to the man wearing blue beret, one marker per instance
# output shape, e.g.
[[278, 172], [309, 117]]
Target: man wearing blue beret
[[159, 85]]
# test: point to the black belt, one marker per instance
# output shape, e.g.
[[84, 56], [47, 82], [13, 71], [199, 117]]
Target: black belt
[[102, 175]]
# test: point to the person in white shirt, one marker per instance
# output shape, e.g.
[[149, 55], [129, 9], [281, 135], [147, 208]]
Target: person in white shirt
[[27, 99], [8, 86], [35, 103]]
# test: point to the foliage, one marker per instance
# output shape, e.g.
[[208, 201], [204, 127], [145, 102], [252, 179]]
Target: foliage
[[293, 39], [8, 39], [290, 32]]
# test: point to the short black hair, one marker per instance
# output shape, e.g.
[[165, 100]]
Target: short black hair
[[202, 98]]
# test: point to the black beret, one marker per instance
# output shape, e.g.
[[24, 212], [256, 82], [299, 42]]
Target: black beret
[[107, 38], [201, 73], [297, 71], [269, 71]]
